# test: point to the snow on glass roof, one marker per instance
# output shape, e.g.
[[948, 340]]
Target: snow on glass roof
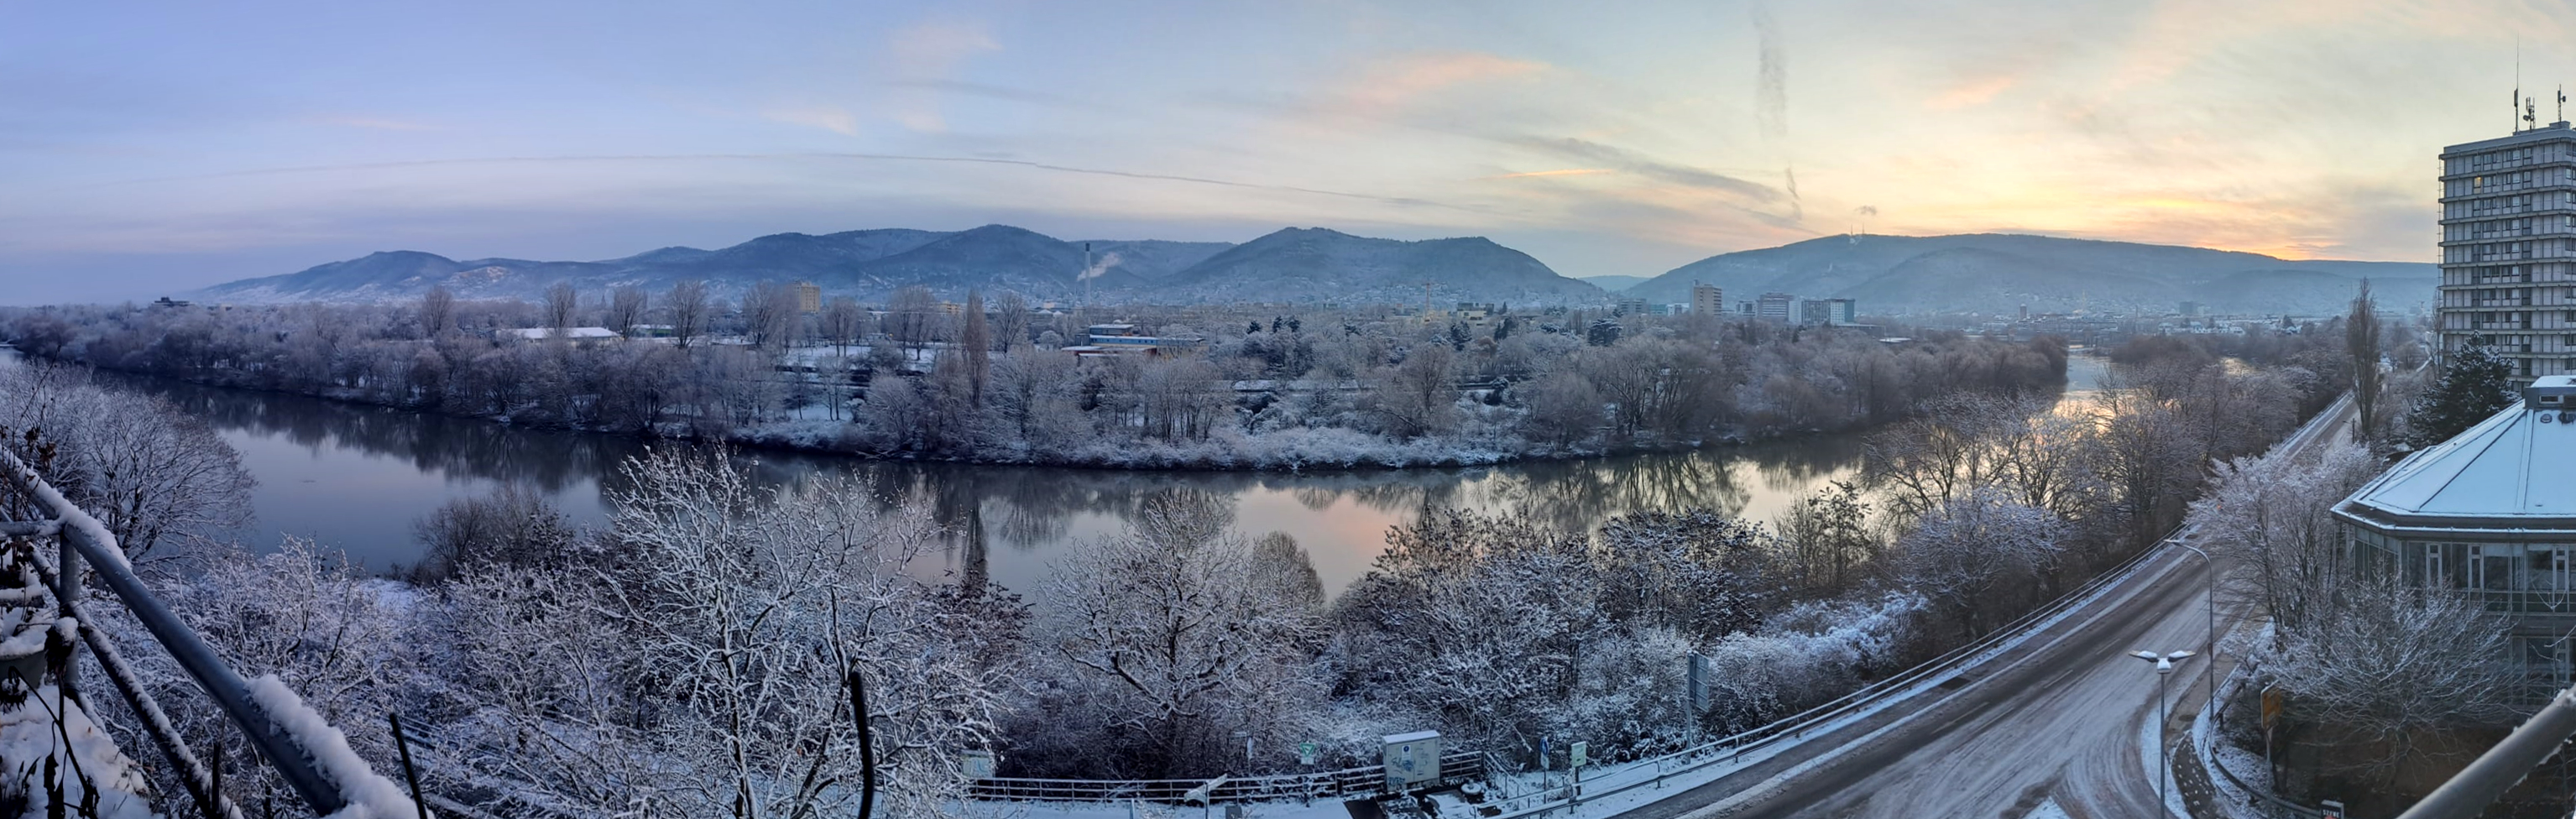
[[2514, 471]]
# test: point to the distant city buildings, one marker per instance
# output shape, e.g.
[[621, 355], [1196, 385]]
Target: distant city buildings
[[809, 298], [1773, 306], [1707, 300], [1122, 339], [1826, 312], [1631, 307], [2508, 212]]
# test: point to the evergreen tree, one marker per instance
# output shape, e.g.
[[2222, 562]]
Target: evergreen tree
[[2475, 384]]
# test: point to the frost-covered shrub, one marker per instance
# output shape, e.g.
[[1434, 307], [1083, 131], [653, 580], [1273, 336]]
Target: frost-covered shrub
[[1806, 655]]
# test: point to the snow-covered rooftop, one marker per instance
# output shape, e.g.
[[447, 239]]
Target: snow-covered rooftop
[[2514, 471]]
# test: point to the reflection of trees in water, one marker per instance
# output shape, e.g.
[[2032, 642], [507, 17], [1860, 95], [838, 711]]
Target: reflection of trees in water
[[548, 460], [1027, 508], [1577, 496], [1795, 468]]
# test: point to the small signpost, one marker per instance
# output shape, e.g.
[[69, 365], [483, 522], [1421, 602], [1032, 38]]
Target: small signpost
[[1306, 753], [1577, 756], [2329, 809], [978, 764]]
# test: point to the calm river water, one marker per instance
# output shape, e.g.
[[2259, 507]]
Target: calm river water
[[355, 478]]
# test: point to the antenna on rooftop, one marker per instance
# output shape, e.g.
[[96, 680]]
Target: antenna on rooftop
[[2516, 102]]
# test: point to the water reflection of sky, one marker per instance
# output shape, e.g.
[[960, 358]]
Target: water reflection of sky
[[354, 478]]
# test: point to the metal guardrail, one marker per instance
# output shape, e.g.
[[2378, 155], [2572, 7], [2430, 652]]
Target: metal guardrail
[[1366, 780], [83, 538]]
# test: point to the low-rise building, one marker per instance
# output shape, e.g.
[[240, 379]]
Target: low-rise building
[[1122, 339], [1821, 312], [573, 333], [2492, 512], [1773, 306]]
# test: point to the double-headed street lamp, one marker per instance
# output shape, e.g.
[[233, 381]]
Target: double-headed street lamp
[[2164, 756]]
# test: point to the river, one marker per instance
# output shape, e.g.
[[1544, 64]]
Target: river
[[355, 477]]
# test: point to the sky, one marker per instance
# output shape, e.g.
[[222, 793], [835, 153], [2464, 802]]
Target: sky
[[150, 147]]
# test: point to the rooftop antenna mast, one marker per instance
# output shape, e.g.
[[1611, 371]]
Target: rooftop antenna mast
[[2517, 102]]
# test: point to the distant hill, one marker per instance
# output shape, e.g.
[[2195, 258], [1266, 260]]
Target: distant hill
[[1984, 273], [1318, 265], [1615, 284], [1997, 273], [1290, 265]]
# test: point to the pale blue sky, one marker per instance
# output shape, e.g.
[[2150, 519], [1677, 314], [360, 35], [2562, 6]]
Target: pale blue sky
[[155, 147]]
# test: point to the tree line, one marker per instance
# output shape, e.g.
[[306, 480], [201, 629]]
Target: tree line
[[993, 382]]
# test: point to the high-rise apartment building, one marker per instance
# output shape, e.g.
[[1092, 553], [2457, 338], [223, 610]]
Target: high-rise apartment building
[[1707, 299], [2509, 249]]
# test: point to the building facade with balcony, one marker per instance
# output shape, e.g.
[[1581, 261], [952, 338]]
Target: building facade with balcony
[[2509, 249], [2491, 512]]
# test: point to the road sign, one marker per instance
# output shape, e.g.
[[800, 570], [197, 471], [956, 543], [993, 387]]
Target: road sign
[[2329, 809], [1305, 753], [1582, 754], [978, 764]]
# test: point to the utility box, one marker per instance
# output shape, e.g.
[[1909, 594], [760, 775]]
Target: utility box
[[1412, 760]]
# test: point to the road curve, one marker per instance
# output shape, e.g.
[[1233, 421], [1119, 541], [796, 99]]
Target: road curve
[[2056, 718]]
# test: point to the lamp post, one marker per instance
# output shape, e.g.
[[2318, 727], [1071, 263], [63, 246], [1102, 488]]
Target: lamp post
[[2212, 648], [2164, 755]]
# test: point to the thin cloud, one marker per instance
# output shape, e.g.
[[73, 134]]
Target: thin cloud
[[1632, 162], [1559, 172], [378, 124], [1391, 86], [831, 118], [973, 160]]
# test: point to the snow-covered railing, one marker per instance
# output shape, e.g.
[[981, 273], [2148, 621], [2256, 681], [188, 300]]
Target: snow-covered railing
[[1371, 779], [297, 742]]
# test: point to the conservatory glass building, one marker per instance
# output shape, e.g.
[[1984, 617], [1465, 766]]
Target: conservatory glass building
[[2493, 512]]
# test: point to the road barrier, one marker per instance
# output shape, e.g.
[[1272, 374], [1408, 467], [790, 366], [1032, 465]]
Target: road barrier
[[1348, 782]]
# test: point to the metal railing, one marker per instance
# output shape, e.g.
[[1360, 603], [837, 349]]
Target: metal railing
[[1365, 780], [83, 538]]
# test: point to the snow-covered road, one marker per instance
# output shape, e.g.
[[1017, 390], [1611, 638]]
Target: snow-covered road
[[2053, 722]]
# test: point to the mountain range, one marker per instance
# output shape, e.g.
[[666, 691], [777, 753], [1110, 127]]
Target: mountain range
[[1988, 273], [1294, 265], [1996, 273]]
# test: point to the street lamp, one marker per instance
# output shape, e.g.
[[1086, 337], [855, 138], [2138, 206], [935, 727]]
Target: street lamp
[[2164, 753], [2212, 648]]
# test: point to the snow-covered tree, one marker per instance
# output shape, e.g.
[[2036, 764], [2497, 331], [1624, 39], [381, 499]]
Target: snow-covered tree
[[2383, 661], [1974, 555], [2271, 518], [1173, 636]]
